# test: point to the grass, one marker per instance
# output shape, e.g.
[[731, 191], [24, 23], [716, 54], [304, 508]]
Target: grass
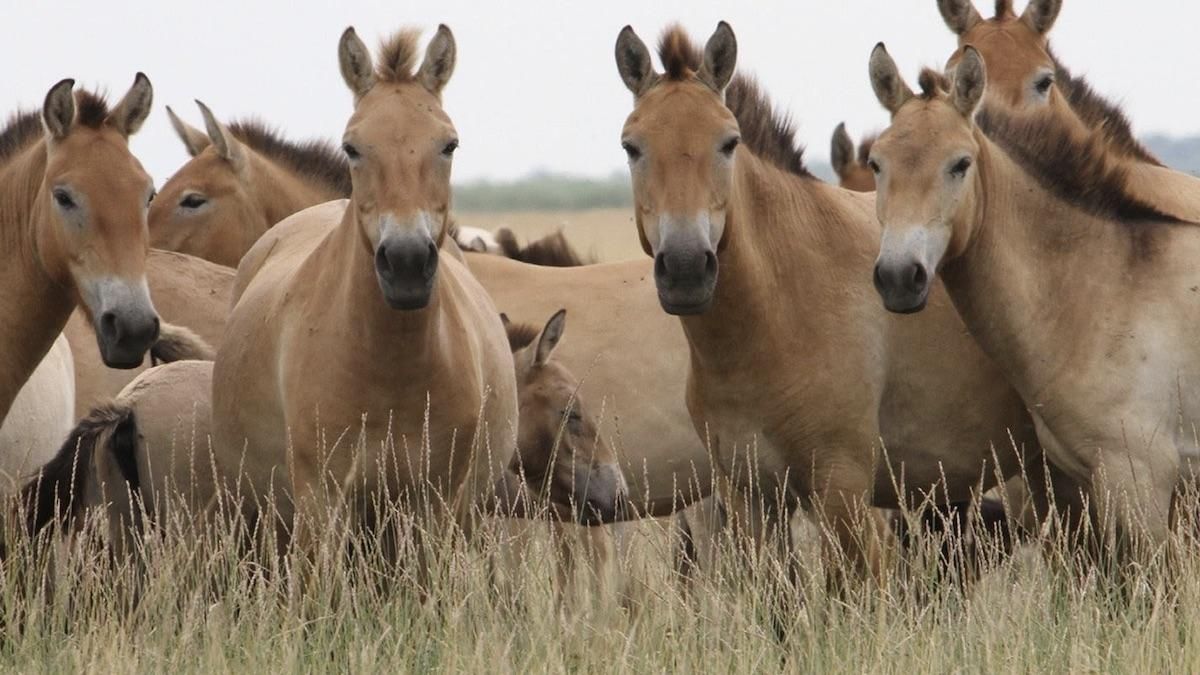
[[192, 600]]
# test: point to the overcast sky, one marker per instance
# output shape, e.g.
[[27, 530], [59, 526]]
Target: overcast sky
[[536, 86]]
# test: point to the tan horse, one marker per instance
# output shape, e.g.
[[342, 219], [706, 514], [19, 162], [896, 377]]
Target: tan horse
[[73, 205], [40, 417], [851, 168], [348, 318], [1068, 279], [795, 371], [1025, 76], [193, 294]]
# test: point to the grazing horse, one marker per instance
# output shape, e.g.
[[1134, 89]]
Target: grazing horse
[[851, 168], [349, 318], [1025, 76], [795, 371], [73, 203], [1078, 288]]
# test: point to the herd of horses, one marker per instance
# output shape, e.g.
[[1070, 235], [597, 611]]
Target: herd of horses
[[996, 297]]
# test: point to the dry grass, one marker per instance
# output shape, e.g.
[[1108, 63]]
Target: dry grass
[[201, 604]]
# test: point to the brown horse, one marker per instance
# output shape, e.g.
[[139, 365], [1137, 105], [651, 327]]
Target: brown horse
[[1076, 286], [348, 318], [796, 373], [1025, 76], [73, 203], [850, 167], [188, 292]]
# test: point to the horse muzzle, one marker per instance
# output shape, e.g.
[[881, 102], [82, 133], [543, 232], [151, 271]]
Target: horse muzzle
[[902, 284], [686, 277], [604, 497], [405, 266], [125, 322]]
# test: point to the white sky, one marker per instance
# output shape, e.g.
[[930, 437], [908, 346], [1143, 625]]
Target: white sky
[[536, 86]]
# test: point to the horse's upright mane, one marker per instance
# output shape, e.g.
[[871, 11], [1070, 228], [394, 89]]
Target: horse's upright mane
[[1100, 114], [767, 132], [552, 250], [316, 159], [25, 128]]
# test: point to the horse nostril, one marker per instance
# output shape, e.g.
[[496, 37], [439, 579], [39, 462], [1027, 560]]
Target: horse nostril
[[710, 263], [381, 261], [919, 276], [109, 326], [878, 277], [660, 265], [431, 261]]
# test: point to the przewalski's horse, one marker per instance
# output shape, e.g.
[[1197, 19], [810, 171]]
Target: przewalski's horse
[[348, 319], [152, 444], [191, 295], [851, 167], [1025, 76], [73, 203], [40, 417], [796, 372], [1074, 285]]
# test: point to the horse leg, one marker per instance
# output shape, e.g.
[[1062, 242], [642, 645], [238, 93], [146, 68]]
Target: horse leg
[[856, 539], [1133, 496]]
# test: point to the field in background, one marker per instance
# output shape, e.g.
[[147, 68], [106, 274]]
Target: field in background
[[608, 234]]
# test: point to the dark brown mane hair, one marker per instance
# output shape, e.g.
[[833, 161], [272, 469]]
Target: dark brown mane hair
[[398, 56], [1079, 170], [315, 159], [1100, 114], [55, 494], [552, 250], [933, 84], [864, 147], [520, 335], [1004, 8], [767, 132], [25, 128]]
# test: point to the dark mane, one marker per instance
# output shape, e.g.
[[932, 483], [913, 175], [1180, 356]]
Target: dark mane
[[552, 250], [1079, 170], [316, 159], [56, 493], [520, 335], [398, 56], [767, 132], [1004, 8], [864, 147], [932, 83], [1100, 114], [25, 128]]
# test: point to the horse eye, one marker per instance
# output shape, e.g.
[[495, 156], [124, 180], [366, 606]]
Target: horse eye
[[631, 150], [873, 166], [450, 148], [150, 199], [1043, 85], [63, 198], [351, 152], [193, 201], [960, 167], [730, 146]]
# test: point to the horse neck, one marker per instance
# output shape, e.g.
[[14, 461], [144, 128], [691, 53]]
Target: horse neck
[[345, 270], [1032, 272], [33, 307], [280, 191], [784, 239]]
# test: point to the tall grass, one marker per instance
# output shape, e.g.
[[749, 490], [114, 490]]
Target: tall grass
[[194, 599]]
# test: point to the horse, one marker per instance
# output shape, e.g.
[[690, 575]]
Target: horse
[[850, 167], [73, 203], [348, 316], [40, 417], [1005, 206], [1025, 76], [796, 373]]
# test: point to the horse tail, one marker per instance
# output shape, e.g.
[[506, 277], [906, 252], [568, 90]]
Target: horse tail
[[177, 343]]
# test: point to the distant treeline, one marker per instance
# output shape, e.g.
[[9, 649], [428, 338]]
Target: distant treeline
[[543, 191]]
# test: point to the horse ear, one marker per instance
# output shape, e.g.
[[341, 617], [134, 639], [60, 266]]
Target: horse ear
[[841, 150], [228, 148], [960, 15], [355, 61], [1041, 14], [58, 111], [549, 337], [440, 57], [720, 58], [633, 62], [505, 320], [970, 81], [193, 139], [134, 108], [889, 87]]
